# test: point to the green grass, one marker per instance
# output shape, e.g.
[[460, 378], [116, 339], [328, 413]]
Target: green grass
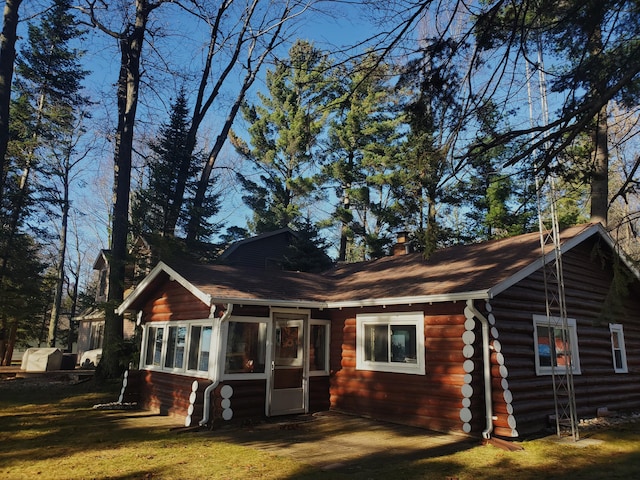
[[52, 432]]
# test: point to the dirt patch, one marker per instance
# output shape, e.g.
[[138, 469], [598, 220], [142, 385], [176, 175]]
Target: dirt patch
[[339, 442]]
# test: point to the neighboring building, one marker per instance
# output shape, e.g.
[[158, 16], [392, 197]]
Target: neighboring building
[[400, 338], [262, 251], [91, 321]]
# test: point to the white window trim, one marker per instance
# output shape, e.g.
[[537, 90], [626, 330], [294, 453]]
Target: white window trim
[[616, 329], [165, 339], [268, 346], [399, 318], [542, 320], [327, 348]]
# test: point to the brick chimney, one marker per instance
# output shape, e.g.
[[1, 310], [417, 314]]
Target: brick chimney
[[403, 245]]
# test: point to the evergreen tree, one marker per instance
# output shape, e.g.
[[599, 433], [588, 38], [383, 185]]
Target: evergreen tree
[[284, 130], [24, 299], [154, 205], [501, 202], [308, 251], [434, 117], [361, 151], [593, 50], [48, 97]]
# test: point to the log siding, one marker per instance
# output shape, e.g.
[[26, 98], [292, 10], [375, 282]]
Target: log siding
[[439, 400], [450, 396], [588, 284]]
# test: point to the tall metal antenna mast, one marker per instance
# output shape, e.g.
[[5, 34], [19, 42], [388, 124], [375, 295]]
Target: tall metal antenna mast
[[556, 311]]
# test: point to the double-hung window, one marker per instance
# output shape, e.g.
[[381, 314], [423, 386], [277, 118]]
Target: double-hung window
[[178, 347], [391, 342], [556, 347], [617, 348]]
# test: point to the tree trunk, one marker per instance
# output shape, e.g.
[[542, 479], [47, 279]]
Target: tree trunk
[[128, 87], [7, 346], [599, 142], [600, 176], [195, 218], [57, 299], [7, 59]]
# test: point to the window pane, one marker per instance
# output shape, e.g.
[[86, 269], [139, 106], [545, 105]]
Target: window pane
[[562, 349], [615, 340], [552, 346], [544, 346], [148, 360], [376, 343], [287, 342], [154, 346], [205, 345], [403, 344], [246, 347], [199, 343], [175, 347], [317, 347], [194, 347], [617, 358]]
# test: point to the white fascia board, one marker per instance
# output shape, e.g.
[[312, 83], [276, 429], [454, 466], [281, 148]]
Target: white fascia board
[[265, 302], [173, 275], [440, 298], [369, 302], [596, 229]]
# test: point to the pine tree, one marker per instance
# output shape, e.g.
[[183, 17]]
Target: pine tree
[[48, 86], [362, 146], [284, 130], [154, 205], [434, 119]]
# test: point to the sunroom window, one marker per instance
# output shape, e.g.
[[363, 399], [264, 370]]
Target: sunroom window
[[246, 347], [200, 347], [391, 343], [178, 347], [556, 347], [154, 346]]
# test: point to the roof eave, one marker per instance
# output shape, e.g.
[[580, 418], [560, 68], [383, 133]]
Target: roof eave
[[265, 302], [595, 229], [411, 300], [161, 267], [366, 302]]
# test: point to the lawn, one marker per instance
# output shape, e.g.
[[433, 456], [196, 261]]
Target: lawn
[[53, 432]]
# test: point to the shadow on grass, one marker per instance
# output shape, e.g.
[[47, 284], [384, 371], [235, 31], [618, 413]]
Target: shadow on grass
[[60, 422]]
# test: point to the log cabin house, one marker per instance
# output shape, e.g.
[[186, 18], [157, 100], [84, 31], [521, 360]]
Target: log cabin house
[[457, 342]]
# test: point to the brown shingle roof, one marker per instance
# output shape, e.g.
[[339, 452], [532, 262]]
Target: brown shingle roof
[[223, 281], [457, 269], [461, 268]]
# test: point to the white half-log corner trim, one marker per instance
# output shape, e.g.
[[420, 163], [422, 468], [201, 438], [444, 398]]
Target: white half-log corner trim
[[216, 363], [192, 401], [471, 312], [468, 338]]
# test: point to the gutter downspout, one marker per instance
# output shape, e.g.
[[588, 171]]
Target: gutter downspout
[[486, 360], [215, 373]]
